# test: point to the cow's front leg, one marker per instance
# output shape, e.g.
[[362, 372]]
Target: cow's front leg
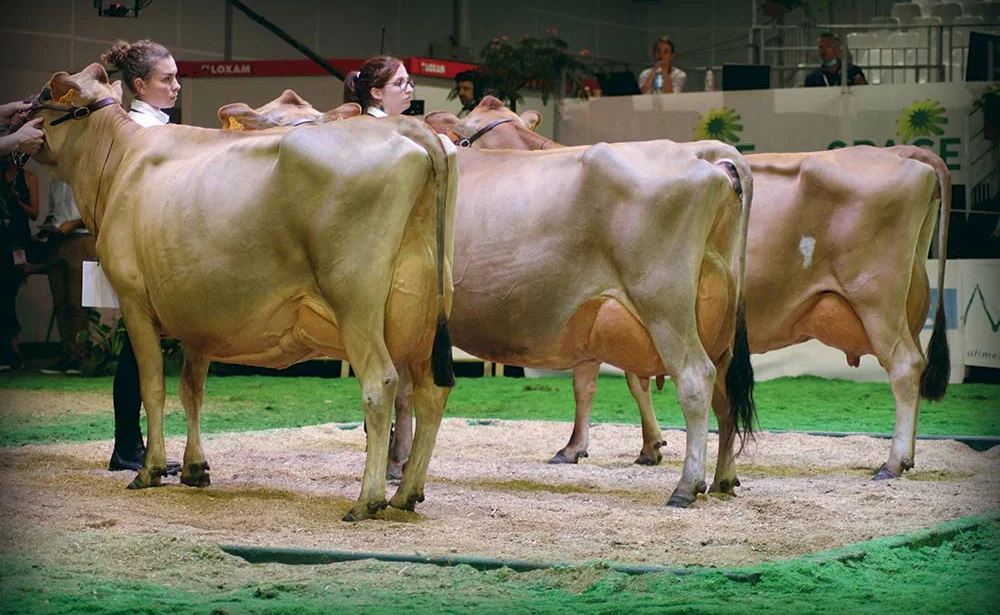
[[652, 438], [429, 401], [584, 387], [192, 392], [694, 391], [148, 356]]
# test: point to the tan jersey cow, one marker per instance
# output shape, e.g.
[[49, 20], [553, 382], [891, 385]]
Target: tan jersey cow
[[836, 251], [618, 253], [266, 249]]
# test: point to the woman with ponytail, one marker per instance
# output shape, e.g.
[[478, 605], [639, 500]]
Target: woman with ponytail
[[382, 87], [150, 73]]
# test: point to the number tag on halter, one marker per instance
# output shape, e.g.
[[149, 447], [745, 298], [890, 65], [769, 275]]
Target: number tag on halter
[[20, 258]]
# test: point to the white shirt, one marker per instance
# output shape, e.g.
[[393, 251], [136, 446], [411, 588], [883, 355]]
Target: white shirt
[[677, 78], [62, 206], [147, 115], [376, 112]]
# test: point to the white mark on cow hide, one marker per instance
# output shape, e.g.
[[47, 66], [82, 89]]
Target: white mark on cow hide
[[806, 247]]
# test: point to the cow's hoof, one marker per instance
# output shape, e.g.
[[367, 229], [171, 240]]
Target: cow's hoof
[[402, 502], [885, 473], [683, 499], [394, 471], [145, 479], [362, 511], [196, 475], [562, 457], [726, 487], [645, 460]]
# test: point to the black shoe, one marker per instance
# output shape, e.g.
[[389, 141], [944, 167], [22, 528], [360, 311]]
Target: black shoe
[[135, 460]]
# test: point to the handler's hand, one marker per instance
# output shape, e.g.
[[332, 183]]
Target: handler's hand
[[30, 136]]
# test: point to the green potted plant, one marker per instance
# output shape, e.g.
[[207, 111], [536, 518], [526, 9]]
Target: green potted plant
[[506, 67]]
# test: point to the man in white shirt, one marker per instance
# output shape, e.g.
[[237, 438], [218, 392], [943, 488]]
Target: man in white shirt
[[673, 77]]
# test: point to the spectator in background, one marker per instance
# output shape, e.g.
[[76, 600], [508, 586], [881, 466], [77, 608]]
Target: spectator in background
[[468, 90], [382, 87], [673, 77], [70, 243], [829, 72], [150, 73], [18, 204], [26, 138]]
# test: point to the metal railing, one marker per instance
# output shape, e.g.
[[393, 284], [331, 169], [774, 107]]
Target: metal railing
[[887, 54]]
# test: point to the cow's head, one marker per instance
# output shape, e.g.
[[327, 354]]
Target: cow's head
[[289, 109], [491, 125], [66, 101]]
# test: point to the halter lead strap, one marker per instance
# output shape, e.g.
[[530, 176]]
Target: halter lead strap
[[485, 129]]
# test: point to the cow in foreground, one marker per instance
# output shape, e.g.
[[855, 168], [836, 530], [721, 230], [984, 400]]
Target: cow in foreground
[[266, 249], [836, 250], [629, 254]]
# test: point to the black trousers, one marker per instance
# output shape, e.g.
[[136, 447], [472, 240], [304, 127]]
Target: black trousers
[[127, 400]]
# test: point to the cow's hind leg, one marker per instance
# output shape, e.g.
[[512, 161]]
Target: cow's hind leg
[[378, 379], [584, 387], [695, 382], [402, 438], [652, 438], [903, 364], [194, 472], [429, 401], [725, 469]]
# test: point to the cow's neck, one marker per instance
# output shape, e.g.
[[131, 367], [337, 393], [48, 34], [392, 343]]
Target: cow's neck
[[94, 169]]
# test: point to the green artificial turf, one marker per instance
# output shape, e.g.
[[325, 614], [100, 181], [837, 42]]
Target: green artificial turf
[[241, 403]]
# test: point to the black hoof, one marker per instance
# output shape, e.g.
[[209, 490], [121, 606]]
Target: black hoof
[[884, 473], [561, 457], [196, 475], [646, 460], [680, 501]]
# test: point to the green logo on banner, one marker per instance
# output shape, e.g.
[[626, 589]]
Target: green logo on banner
[[722, 124], [994, 324], [924, 118]]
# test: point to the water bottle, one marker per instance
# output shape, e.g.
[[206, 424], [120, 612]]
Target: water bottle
[[709, 81], [658, 81]]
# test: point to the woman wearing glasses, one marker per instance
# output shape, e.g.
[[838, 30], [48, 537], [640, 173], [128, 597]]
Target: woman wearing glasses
[[382, 87]]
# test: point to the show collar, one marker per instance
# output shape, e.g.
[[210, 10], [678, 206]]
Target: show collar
[[376, 112]]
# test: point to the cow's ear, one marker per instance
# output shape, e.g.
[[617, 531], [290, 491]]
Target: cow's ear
[[117, 87], [441, 122], [532, 119], [96, 72], [239, 116], [343, 112], [63, 88]]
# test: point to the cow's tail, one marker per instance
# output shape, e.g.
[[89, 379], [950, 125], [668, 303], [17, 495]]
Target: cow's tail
[[934, 379], [739, 377], [444, 161]]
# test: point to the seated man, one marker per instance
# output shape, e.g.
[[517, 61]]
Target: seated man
[[829, 72]]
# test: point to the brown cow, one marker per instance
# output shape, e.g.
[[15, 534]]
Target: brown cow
[[621, 253], [266, 249], [836, 251]]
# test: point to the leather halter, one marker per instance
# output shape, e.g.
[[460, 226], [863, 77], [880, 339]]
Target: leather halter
[[73, 112], [482, 131]]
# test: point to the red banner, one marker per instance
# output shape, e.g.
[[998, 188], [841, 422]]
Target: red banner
[[424, 67]]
